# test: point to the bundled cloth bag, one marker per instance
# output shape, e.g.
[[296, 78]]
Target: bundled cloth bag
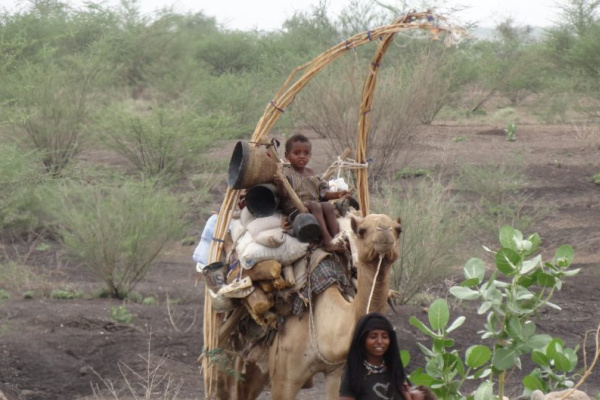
[[260, 239]]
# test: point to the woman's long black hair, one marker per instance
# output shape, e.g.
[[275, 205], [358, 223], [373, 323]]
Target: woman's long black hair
[[357, 353]]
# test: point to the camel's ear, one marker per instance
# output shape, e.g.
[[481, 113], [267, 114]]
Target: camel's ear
[[354, 222], [399, 226]]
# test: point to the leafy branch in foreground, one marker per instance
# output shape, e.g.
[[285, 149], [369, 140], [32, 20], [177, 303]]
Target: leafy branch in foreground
[[510, 304]]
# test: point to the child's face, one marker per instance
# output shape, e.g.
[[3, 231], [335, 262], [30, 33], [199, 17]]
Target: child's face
[[299, 154]]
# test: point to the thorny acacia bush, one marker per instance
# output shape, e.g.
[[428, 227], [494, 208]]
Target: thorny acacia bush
[[431, 233], [117, 232], [21, 173], [147, 379], [50, 108], [161, 142]]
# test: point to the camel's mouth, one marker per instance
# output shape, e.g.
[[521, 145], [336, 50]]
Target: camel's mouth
[[387, 251], [384, 245]]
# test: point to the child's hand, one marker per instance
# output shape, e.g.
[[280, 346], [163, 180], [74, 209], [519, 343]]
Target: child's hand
[[278, 179], [343, 194]]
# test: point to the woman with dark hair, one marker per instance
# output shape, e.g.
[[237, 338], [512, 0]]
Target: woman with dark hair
[[374, 370]]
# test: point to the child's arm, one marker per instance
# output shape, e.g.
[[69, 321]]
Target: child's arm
[[329, 195], [278, 180]]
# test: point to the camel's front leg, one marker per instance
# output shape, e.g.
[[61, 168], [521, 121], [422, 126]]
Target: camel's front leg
[[332, 383], [288, 373], [290, 360]]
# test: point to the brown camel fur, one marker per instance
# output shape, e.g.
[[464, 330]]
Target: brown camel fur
[[319, 341]]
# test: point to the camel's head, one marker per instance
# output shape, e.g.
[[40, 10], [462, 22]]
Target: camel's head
[[377, 236]]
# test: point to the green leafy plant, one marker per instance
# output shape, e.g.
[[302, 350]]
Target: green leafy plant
[[121, 315], [29, 294], [511, 132], [511, 297], [458, 139], [134, 297], [595, 179], [66, 294], [445, 370], [407, 173], [150, 301], [221, 359]]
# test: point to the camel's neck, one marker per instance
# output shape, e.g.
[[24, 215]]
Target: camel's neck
[[335, 317], [374, 298]]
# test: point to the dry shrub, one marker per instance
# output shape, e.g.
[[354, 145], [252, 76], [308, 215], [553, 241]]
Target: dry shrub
[[431, 234], [330, 107], [151, 382], [588, 133]]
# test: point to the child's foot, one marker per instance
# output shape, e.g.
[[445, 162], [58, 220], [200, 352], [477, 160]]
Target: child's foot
[[334, 248]]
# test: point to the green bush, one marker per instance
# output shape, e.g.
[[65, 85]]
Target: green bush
[[121, 315], [15, 276], [163, 142], [408, 172], [134, 297], [66, 294], [431, 234], [29, 294], [117, 232], [20, 178], [51, 106], [150, 301]]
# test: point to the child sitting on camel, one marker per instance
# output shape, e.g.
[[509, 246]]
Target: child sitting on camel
[[311, 190]]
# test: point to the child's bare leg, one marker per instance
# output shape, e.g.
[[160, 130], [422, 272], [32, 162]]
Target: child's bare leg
[[316, 209], [330, 218]]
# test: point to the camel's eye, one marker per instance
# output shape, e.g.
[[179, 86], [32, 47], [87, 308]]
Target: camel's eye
[[361, 232]]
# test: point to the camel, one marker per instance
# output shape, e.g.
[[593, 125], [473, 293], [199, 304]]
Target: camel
[[319, 340]]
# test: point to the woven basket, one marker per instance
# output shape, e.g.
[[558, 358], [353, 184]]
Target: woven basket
[[425, 21]]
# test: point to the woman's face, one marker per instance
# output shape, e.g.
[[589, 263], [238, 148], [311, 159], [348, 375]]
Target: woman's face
[[377, 343]]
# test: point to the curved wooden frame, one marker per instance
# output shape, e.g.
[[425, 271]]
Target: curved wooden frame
[[283, 98]]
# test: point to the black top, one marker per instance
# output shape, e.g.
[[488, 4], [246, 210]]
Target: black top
[[373, 387]]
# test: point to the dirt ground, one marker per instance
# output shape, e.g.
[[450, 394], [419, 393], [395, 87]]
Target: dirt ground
[[58, 349]]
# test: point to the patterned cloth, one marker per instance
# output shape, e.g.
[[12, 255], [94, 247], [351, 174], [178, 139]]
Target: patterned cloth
[[327, 273], [306, 187]]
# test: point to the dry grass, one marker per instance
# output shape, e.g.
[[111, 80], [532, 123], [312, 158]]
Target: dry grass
[[588, 133], [151, 383]]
